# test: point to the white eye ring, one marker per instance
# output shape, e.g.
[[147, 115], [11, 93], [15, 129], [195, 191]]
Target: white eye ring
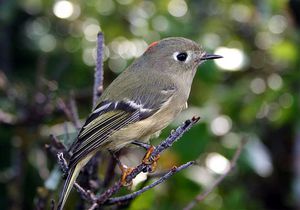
[[188, 56]]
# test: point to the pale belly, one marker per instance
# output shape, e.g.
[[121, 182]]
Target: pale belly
[[143, 130]]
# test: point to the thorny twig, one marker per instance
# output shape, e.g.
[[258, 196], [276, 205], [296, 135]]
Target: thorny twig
[[204, 194]]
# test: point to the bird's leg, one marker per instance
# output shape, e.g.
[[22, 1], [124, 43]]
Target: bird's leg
[[124, 169], [142, 144], [148, 160]]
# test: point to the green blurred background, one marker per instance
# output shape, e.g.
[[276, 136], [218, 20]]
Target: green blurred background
[[47, 52]]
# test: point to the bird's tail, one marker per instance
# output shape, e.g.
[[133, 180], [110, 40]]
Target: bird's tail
[[72, 175]]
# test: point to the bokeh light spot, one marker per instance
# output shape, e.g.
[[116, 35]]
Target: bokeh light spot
[[217, 163], [258, 85], [63, 9], [211, 41], [105, 7], [221, 125], [160, 23], [117, 65], [177, 8], [32, 7], [277, 24], [259, 157], [231, 140], [47, 43], [265, 40], [200, 175], [88, 56], [286, 100], [90, 32], [37, 28], [274, 81], [233, 59], [240, 12]]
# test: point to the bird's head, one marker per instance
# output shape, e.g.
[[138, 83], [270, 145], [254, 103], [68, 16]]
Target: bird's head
[[176, 54]]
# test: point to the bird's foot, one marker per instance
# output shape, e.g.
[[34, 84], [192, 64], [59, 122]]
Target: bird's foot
[[125, 170], [149, 160]]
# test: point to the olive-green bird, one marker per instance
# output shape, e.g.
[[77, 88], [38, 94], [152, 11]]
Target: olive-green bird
[[140, 102]]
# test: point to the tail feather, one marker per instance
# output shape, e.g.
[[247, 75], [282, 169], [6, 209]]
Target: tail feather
[[72, 175]]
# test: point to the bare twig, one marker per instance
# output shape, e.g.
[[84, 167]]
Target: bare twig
[[85, 194], [74, 111], [109, 192], [157, 182], [109, 175], [89, 174], [204, 194], [55, 146], [62, 163], [94, 206], [52, 204], [98, 78], [175, 135], [70, 113]]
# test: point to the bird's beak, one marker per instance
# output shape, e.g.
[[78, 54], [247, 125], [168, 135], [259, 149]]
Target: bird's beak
[[207, 56]]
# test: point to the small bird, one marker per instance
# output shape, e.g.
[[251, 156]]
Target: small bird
[[139, 103]]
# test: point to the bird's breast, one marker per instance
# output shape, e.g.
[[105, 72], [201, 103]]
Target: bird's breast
[[144, 129]]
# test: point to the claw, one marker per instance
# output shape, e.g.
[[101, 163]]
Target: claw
[[148, 160], [125, 172]]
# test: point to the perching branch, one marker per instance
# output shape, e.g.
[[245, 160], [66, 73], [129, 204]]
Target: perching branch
[[199, 198], [173, 137], [148, 187]]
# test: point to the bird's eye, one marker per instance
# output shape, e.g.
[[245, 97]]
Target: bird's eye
[[182, 56]]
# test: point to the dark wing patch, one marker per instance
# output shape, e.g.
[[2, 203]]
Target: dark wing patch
[[106, 118]]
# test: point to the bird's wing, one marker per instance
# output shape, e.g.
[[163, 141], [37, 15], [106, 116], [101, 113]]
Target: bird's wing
[[110, 116]]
